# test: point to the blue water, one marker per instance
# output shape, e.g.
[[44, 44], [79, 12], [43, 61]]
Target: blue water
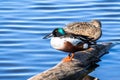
[[23, 23]]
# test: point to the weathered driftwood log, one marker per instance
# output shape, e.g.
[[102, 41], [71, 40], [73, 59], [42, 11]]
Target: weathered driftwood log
[[82, 64], [89, 78]]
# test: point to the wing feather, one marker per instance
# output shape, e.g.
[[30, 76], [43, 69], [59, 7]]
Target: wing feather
[[83, 28]]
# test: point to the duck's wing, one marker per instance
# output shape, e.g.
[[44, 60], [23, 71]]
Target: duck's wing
[[82, 37], [84, 29]]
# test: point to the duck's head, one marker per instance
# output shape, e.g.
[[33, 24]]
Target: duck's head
[[96, 23], [56, 33]]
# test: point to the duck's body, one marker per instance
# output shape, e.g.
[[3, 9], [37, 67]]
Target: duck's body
[[75, 36], [92, 29], [68, 44]]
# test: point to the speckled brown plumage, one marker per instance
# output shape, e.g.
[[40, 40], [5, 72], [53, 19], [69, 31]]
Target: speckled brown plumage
[[91, 29]]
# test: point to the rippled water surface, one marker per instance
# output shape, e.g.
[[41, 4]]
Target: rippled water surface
[[23, 23]]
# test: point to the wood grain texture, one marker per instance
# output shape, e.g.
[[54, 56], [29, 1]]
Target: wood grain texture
[[83, 63]]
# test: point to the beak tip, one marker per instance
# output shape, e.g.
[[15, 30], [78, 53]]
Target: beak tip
[[44, 38], [48, 36]]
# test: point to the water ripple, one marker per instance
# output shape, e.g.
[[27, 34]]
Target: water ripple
[[24, 23]]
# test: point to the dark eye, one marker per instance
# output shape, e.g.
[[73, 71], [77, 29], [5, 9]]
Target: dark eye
[[56, 31]]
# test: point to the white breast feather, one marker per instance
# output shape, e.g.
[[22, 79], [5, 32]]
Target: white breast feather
[[58, 43]]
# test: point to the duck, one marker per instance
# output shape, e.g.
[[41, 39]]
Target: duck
[[91, 31], [75, 37]]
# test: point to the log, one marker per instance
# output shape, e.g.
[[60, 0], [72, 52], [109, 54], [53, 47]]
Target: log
[[83, 63], [90, 78]]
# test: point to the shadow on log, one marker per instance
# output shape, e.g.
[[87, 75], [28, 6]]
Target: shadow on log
[[83, 63]]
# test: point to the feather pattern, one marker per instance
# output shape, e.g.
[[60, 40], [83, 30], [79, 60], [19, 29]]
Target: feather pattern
[[90, 29]]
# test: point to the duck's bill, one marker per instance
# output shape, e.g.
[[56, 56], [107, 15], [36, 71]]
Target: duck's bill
[[48, 36]]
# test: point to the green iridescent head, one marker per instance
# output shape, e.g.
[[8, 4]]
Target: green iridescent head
[[61, 31], [56, 33]]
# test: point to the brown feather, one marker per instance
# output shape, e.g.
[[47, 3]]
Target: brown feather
[[90, 29], [68, 47]]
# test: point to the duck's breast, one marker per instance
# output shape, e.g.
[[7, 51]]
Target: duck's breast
[[58, 43]]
